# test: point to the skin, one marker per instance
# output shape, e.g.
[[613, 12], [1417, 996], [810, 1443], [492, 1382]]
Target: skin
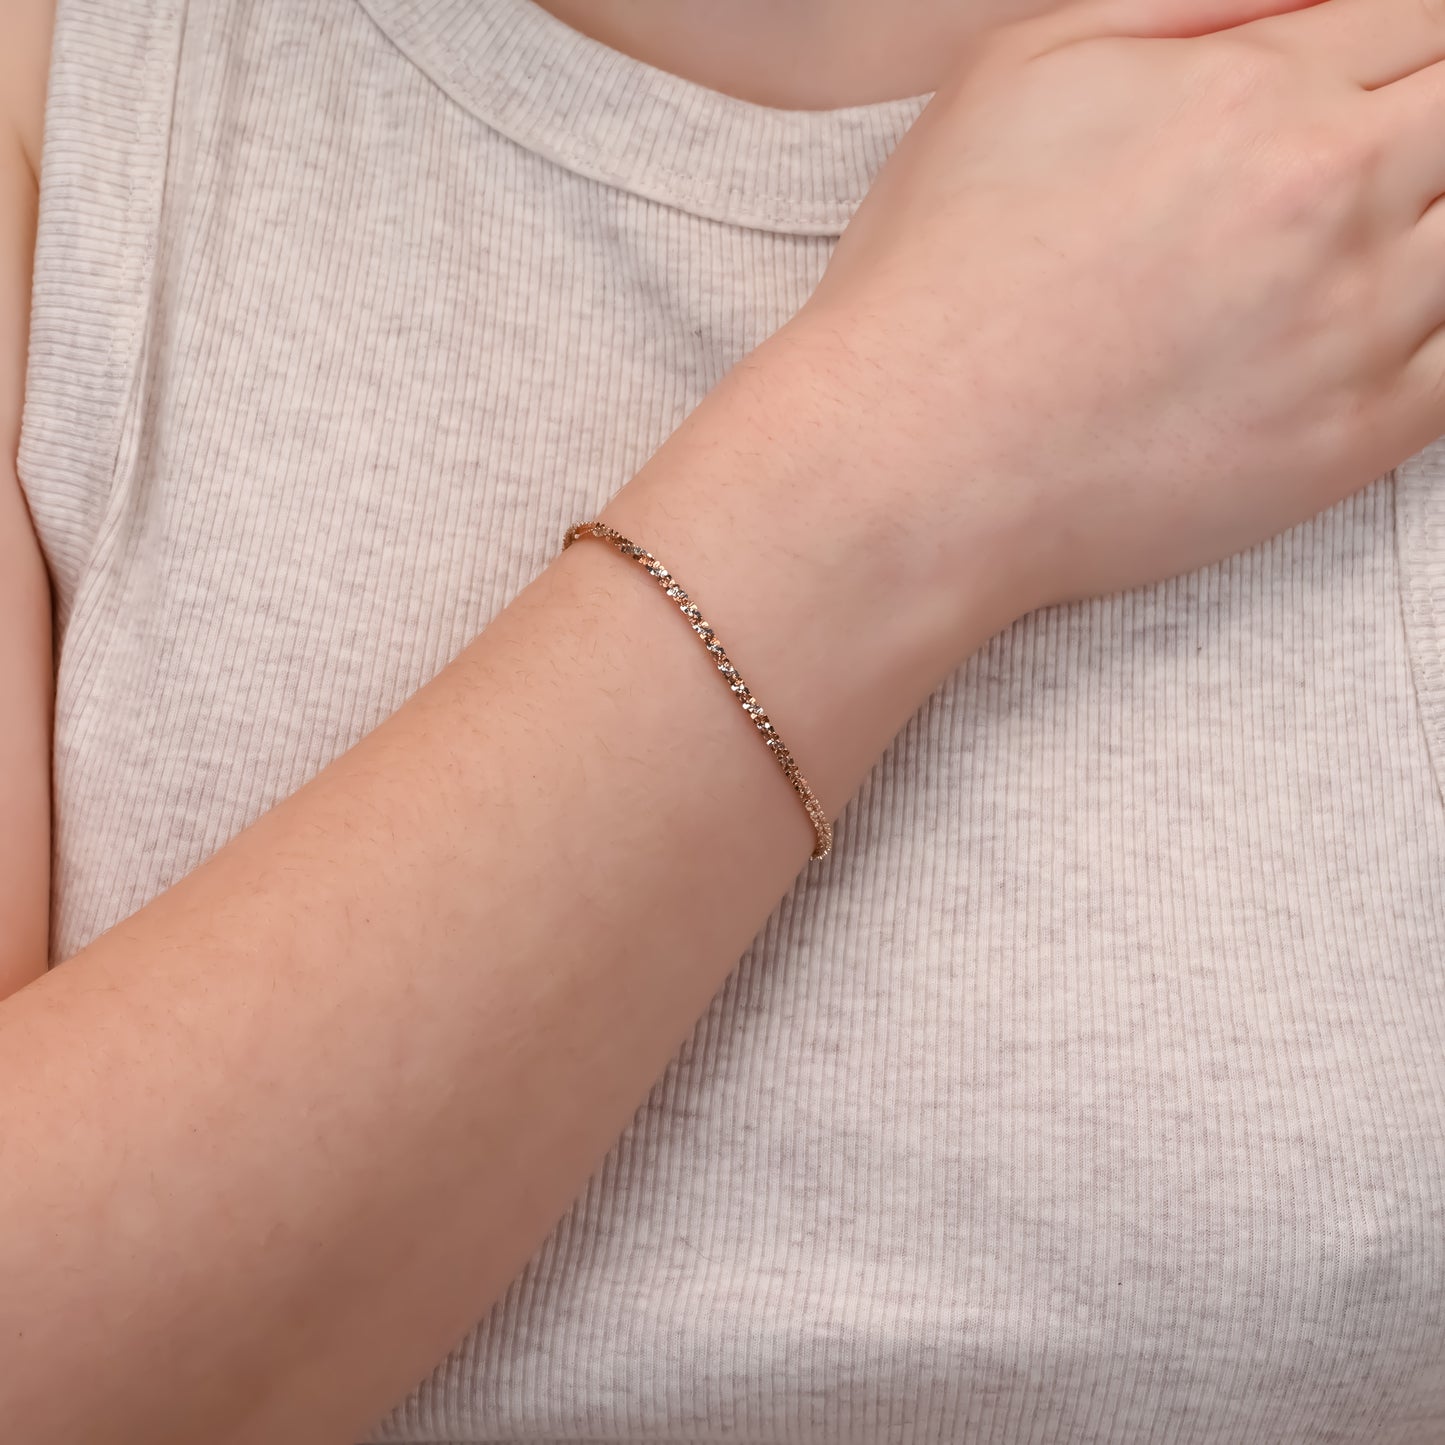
[[25, 664], [799, 55], [293, 1197]]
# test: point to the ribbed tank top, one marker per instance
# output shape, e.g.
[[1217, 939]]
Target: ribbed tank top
[[1093, 1090]]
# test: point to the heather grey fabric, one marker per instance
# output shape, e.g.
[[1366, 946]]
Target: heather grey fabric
[[1094, 1089]]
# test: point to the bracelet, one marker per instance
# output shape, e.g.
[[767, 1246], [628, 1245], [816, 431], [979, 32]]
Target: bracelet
[[822, 829]]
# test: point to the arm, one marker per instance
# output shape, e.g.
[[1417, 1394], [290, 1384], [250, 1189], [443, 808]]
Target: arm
[[285, 1134], [329, 1093], [291, 1128], [25, 657]]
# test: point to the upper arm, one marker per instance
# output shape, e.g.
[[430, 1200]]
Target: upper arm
[[26, 680]]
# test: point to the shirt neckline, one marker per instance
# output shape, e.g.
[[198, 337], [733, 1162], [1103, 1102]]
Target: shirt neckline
[[618, 120]]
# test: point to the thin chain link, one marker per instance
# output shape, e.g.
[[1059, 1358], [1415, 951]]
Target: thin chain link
[[822, 828]]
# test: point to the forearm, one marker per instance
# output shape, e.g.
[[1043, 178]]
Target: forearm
[[295, 1125]]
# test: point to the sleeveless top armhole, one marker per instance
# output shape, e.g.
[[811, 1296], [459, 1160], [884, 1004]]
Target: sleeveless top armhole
[[1420, 539], [107, 128]]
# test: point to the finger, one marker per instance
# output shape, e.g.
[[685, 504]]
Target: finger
[[1372, 42], [1149, 19], [1429, 234], [1421, 394], [1412, 114], [1409, 309], [1419, 276], [1165, 19]]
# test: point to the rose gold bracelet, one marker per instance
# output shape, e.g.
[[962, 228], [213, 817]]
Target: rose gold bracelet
[[822, 829]]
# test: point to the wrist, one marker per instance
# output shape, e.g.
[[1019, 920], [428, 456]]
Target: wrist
[[783, 506], [917, 440]]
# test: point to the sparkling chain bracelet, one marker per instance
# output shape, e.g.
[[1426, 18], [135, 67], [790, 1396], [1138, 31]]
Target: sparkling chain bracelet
[[822, 829]]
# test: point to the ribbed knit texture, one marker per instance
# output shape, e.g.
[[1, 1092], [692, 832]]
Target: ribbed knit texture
[[1093, 1090]]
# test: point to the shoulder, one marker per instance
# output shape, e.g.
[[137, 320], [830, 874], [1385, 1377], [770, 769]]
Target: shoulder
[[25, 31]]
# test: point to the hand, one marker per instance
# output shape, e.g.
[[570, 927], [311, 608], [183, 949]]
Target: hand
[[1126, 301]]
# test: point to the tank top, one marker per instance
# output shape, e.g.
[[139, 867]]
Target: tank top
[[1094, 1090]]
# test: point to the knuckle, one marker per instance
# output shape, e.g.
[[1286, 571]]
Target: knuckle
[[1235, 74], [1317, 171], [1304, 156], [1005, 47], [1009, 40]]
